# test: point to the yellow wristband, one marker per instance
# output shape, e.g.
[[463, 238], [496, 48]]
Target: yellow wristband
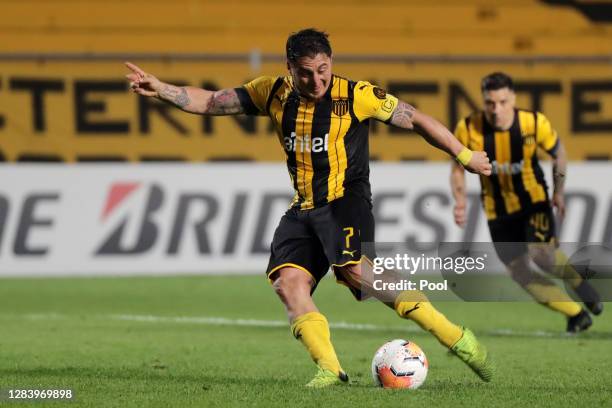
[[464, 156]]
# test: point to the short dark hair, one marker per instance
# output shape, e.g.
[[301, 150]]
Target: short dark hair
[[495, 81], [307, 43]]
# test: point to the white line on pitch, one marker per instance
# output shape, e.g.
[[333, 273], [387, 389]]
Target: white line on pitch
[[223, 321]]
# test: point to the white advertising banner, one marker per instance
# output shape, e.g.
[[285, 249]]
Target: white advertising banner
[[125, 219]]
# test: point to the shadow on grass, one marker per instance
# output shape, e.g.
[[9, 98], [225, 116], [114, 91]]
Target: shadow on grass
[[209, 377]]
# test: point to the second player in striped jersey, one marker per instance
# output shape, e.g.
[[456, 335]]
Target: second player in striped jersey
[[515, 197]]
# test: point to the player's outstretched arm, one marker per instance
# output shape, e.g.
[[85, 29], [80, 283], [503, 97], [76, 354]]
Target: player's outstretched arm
[[187, 98], [408, 117]]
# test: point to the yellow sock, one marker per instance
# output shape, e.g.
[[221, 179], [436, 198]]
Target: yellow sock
[[551, 296], [415, 306], [312, 330], [565, 270]]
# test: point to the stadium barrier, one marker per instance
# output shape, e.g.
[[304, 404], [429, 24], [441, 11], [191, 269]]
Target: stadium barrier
[[77, 110], [121, 219]]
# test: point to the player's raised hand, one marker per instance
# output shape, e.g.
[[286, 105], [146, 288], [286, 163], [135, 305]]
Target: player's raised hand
[[479, 164], [141, 82]]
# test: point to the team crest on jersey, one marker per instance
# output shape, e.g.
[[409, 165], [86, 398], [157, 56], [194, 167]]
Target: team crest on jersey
[[379, 93], [340, 106]]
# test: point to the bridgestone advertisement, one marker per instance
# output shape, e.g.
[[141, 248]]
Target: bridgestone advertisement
[[164, 219]]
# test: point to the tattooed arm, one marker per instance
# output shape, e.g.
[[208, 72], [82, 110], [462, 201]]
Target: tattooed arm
[[407, 116], [187, 98], [202, 101]]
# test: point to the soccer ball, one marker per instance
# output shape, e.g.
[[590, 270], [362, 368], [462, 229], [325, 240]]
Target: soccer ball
[[399, 364]]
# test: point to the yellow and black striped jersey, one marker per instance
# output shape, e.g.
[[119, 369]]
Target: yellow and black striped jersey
[[517, 182], [326, 142]]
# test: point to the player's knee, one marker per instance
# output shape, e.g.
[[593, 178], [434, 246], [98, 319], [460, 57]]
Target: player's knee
[[520, 271], [283, 287], [290, 283], [543, 256]]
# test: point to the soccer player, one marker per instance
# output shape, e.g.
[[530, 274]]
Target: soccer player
[[515, 197], [322, 121]]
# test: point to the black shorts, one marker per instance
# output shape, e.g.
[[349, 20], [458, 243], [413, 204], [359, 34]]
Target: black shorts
[[332, 235], [513, 233]]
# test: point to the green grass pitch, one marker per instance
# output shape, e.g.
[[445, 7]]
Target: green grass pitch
[[223, 341]]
